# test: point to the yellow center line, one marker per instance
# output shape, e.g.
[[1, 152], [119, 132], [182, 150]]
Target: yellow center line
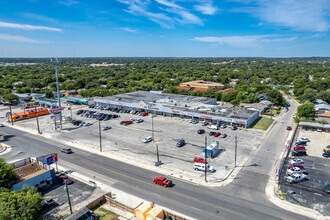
[[133, 178]]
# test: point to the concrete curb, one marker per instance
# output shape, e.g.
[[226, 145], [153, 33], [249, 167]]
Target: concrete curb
[[4, 148]]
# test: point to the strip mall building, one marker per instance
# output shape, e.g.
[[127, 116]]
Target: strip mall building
[[172, 105]]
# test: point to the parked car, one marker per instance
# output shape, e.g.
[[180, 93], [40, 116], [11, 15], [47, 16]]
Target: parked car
[[128, 122], [319, 129], [326, 148], [180, 143], [299, 153], [223, 126], [296, 178], [201, 167], [66, 150], [301, 143], [214, 134], [144, 114], [296, 170], [299, 147], [88, 124], [147, 139], [162, 181], [326, 154], [2, 125], [139, 120], [296, 161], [199, 160], [48, 203], [304, 139], [234, 128], [326, 189], [223, 135], [79, 112], [288, 128], [205, 123], [215, 127], [153, 116], [64, 178], [194, 122], [296, 165], [200, 131], [106, 128]]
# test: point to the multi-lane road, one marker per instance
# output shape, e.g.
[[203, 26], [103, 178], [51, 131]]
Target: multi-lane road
[[244, 198]]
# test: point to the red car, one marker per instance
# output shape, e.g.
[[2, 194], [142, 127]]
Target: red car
[[288, 128], [127, 122], [162, 181], [144, 114], [299, 147], [64, 178], [296, 165], [214, 134], [199, 160]]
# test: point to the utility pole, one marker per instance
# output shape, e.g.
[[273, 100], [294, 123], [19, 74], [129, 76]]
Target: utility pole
[[35, 108], [152, 128], [157, 152], [235, 149], [71, 111], [58, 92], [205, 171], [11, 115], [67, 192], [100, 135]]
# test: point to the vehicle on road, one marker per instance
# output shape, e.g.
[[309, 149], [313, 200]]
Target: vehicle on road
[[66, 150], [106, 128], [199, 160], [201, 167], [326, 154], [296, 170], [147, 140], [162, 181], [326, 148], [223, 135], [296, 161], [139, 120], [200, 131], [296, 178], [288, 128], [2, 125], [180, 143], [299, 147], [64, 178], [299, 153]]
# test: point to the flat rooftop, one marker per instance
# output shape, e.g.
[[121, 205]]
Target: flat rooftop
[[28, 171], [201, 83]]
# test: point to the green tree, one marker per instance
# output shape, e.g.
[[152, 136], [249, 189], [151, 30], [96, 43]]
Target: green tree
[[22, 204], [324, 95], [8, 175], [275, 96], [10, 97], [49, 94], [306, 110], [309, 95]]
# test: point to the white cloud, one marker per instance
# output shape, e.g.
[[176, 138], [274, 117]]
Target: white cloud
[[69, 2], [248, 41], [303, 15], [169, 4], [38, 17], [128, 29], [27, 27], [19, 39], [206, 9]]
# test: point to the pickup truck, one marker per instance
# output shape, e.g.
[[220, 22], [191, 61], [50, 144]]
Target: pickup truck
[[296, 178], [294, 170], [215, 127]]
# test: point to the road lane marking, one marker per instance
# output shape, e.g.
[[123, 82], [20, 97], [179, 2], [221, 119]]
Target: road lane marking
[[133, 178]]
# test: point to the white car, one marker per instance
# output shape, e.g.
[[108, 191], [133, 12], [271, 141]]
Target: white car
[[106, 128], [304, 139], [296, 170], [296, 161], [153, 116], [147, 139], [88, 124], [1, 125], [139, 120], [296, 178]]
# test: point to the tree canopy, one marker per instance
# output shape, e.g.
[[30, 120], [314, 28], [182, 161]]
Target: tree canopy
[[8, 175], [306, 110]]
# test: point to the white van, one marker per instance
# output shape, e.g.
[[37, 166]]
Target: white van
[[215, 127], [201, 167]]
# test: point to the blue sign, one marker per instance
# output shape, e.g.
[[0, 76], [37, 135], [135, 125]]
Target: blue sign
[[50, 160]]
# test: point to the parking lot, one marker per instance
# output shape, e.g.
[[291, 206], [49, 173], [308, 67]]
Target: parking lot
[[128, 140], [310, 193]]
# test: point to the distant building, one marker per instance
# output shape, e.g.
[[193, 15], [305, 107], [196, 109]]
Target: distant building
[[23, 97], [319, 101], [200, 85], [233, 82], [105, 64], [69, 92]]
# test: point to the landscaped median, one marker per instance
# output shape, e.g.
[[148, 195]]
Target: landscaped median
[[263, 123]]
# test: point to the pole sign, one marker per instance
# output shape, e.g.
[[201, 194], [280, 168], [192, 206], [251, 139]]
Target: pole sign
[[52, 159], [55, 110]]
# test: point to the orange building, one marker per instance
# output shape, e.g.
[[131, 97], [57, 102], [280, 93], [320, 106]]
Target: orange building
[[31, 113]]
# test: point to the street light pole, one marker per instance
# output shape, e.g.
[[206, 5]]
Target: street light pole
[[157, 152], [58, 92], [152, 128], [205, 149], [235, 149], [11, 115], [35, 108], [67, 192], [100, 135]]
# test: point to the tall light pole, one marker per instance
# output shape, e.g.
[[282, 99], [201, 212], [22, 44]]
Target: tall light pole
[[35, 108], [152, 128], [205, 149], [67, 192], [100, 135], [58, 92]]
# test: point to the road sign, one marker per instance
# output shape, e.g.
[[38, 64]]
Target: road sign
[[50, 160], [55, 110]]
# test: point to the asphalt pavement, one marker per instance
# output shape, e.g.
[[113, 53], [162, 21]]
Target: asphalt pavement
[[244, 198]]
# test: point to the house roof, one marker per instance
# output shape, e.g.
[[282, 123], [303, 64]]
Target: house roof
[[28, 171], [322, 106], [201, 83], [227, 90], [325, 114]]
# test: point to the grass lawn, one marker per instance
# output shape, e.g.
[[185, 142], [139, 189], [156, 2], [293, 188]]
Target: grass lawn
[[105, 214], [262, 123]]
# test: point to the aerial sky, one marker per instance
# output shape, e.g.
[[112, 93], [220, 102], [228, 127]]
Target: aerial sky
[[164, 28]]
